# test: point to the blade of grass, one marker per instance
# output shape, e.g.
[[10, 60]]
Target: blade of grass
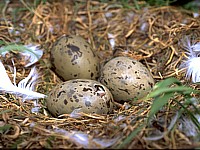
[[130, 137], [158, 103], [181, 89], [167, 82], [136, 4]]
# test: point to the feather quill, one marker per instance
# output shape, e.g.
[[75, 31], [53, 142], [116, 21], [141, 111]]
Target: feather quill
[[24, 88]]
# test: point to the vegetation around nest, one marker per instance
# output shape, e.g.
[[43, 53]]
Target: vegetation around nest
[[166, 118]]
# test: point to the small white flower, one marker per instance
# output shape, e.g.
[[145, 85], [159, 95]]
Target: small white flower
[[193, 62]]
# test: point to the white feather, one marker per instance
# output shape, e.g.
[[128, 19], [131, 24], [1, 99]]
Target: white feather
[[188, 127], [192, 64], [111, 38], [31, 52], [84, 140], [193, 69], [32, 58], [24, 88]]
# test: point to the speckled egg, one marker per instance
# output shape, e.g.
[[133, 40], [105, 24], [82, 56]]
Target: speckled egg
[[88, 95], [126, 78], [72, 58]]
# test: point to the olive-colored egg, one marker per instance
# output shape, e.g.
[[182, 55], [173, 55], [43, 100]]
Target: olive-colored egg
[[73, 58], [126, 78], [88, 95]]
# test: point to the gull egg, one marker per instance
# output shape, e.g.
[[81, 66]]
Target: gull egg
[[87, 95], [126, 78], [73, 58]]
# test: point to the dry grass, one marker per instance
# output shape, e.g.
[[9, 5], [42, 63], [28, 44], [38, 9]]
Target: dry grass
[[150, 35]]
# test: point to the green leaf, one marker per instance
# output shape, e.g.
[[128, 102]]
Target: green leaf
[[2, 42], [5, 128]]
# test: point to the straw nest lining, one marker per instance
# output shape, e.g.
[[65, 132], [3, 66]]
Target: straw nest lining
[[150, 35]]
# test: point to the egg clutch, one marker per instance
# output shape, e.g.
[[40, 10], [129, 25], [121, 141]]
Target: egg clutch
[[88, 88]]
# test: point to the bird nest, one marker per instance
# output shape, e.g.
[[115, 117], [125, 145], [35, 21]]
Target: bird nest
[[150, 35]]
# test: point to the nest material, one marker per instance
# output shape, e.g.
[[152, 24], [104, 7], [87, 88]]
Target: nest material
[[150, 35]]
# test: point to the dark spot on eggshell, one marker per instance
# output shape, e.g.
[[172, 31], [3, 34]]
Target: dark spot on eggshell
[[78, 81], [99, 91], [133, 62], [69, 52], [129, 67], [113, 72], [68, 36], [105, 82], [86, 46], [80, 95], [108, 103], [151, 84], [118, 63], [58, 95], [125, 90], [92, 74], [126, 77], [140, 86], [65, 102], [97, 68], [119, 78], [98, 88], [76, 98], [55, 100], [86, 89]]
